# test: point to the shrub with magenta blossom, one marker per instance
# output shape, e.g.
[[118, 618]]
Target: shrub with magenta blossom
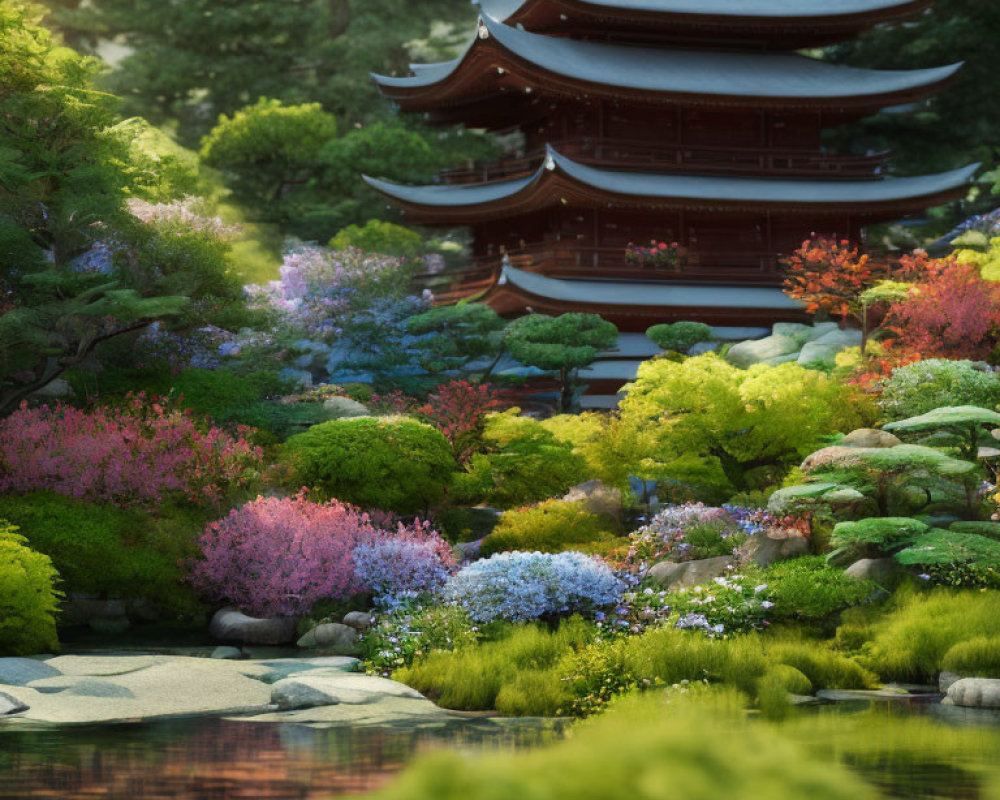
[[278, 556], [138, 453], [522, 586]]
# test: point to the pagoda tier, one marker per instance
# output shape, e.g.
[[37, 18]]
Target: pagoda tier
[[502, 61], [771, 24]]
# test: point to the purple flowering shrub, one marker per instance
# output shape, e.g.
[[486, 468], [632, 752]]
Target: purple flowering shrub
[[519, 586], [279, 556]]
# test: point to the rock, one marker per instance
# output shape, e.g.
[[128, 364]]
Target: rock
[[81, 687], [10, 705], [796, 330], [343, 408], [597, 498], [671, 575], [746, 354], [229, 625], [841, 337], [870, 437], [226, 652], [946, 680], [787, 358], [332, 636], [792, 498], [827, 455], [22, 671], [55, 388], [880, 570], [766, 550], [359, 620], [309, 691], [974, 693], [821, 329], [703, 347], [818, 352], [844, 496]]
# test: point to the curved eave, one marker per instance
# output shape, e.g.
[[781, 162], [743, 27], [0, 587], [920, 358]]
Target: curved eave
[[503, 59], [623, 293], [564, 182], [792, 22]]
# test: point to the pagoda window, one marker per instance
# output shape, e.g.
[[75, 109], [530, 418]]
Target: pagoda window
[[731, 128]]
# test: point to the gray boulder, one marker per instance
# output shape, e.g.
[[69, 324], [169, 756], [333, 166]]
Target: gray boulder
[[10, 705], [227, 653], [343, 408], [229, 625], [870, 437], [703, 347], [787, 358], [359, 620], [946, 680], [841, 337], [974, 693], [821, 329], [22, 671], [333, 636], [796, 330], [880, 570], [755, 351], [817, 351], [766, 550], [671, 575]]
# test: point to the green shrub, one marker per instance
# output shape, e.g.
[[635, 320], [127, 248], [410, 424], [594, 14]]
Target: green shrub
[[534, 693], [955, 559], [911, 642], [925, 385], [107, 551], [791, 679], [472, 678], [465, 524], [679, 336], [824, 668], [978, 658], [225, 396], [28, 598], [774, 690], [988, 529], [376, 236], [644, 748], [809, 589], [391, 463], [873, 538], [550, 527]]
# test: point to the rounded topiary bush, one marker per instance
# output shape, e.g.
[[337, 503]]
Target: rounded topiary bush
[[679, 336], [28, 598], [391, 463], [917, 388], [550, 527]]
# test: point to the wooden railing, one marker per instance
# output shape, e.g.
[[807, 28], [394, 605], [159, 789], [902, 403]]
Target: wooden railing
[[703, 159]]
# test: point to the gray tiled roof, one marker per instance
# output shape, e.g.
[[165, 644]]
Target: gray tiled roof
[[687, 187], [683, 71]]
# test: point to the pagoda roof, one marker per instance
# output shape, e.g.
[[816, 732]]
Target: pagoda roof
[[502, 59], [641, 294], [560, 180]]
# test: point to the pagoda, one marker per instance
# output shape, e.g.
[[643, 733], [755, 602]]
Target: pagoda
[[693, 122]]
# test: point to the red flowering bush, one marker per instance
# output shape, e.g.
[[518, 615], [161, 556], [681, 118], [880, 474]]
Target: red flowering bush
[[458, 409], [954, 312], [279, 556], [138, 453], [658, 254]]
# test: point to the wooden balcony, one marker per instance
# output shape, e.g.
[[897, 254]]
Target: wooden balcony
[[700, 159]]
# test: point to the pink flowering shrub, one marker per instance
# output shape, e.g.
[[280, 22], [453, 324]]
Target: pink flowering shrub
[[279, 556], [138, 453]]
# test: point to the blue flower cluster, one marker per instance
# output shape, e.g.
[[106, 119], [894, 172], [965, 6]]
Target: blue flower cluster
[[398, 569], [519, 586]]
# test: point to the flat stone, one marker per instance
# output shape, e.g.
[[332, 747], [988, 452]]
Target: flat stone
[[671, 575], [10, 705], [224, 651], [281, 668], [332, 636], [22, 671], [103, 666], [359, 620], [81, 687], [974, 693], [754, 351], [230, 625], [309, 691]]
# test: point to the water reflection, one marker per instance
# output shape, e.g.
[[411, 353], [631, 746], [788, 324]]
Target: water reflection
[[213, 759]]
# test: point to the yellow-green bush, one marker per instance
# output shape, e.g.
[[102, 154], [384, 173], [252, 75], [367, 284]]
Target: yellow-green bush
[[911, 642], [550, 527], [979, 657], [823, 667], [28, 598]]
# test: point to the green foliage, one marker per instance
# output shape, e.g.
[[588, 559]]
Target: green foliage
[[551, 527], [808, 589], [958, 559], [450, 337], [376, 236], [974, 658], [406, 633], [647, 747], [266, 150], [225, 396], [524, 464], [106, 551], [679, 336], [723, 429], [965, 420], [391, 463], [874, 537], [911, 642], [28, 597], [562, 344], [822, 666], [472, 678], [917, 388]]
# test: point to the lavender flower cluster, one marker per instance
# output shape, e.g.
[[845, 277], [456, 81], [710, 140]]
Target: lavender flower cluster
[[401, 569], [666, 535], [521, 586]]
